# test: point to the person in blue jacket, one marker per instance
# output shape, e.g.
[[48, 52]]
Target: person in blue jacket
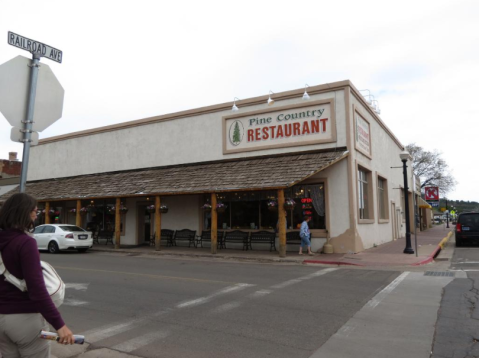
[[305, 235]]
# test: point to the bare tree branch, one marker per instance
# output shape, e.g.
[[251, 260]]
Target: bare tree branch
[[431, 169]]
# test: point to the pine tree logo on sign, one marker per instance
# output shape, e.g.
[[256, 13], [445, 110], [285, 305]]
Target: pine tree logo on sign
[[236, 132]]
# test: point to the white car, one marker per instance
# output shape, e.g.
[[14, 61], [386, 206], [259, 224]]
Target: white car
[[56, 237]]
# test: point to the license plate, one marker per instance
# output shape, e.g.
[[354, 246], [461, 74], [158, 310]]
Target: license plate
[[465, 228], [82, 237]]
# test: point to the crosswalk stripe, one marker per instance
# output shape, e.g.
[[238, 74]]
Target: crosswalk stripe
[[227, 306], [73, 302], [260, 293], [101, 333], [303, 278], [77, 286], [202, 300], [98, 334], [138, 342], [386, 291], [107, 331]]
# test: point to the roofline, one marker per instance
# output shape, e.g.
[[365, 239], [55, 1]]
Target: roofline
[[360, 98], [325, 150]]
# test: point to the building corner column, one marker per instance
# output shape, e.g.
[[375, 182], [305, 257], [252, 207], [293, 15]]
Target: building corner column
[[157, 224], [47, 212], [78, 217], [117, 223], [281, 224], [214, 225]]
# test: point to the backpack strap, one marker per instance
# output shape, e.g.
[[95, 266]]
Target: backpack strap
[[20, 284]]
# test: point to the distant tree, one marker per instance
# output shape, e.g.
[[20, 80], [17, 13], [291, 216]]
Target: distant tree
[[431, 169]]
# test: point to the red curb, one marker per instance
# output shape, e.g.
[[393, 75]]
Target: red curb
[[430, 258], [339, 263]]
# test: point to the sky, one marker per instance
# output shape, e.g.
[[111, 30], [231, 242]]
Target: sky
[[127, 60]]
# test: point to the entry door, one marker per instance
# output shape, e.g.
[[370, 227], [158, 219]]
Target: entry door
[[144, 226]]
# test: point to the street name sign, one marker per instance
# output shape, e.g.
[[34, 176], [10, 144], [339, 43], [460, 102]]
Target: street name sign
[[14, 87], [35, 47]]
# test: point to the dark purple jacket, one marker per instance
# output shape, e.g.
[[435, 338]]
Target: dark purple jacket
[[21, 258]]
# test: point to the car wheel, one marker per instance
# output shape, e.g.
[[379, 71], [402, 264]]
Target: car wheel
[[82, 250], [459, 243], [53, 247]]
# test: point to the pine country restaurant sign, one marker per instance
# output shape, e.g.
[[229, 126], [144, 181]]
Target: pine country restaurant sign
[[285, 126]]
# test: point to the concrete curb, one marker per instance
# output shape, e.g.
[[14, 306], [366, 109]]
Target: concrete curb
[[209, 256], [438, 249]]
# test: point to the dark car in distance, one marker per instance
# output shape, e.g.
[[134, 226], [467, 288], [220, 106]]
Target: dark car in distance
[[467, 228]]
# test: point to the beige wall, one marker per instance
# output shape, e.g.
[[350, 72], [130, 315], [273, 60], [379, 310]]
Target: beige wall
[[179, 141], [384, 155]]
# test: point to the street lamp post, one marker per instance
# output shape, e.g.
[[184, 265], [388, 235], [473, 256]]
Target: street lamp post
[[404, 157], [447, 215]]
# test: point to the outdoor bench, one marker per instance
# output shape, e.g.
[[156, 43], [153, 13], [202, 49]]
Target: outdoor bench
[[185, 235], [268, 237], [293, 238], [166, 234], [206, 236], [237, 236], [107, 235]]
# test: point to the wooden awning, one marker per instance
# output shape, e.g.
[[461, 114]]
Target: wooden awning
[[265, 173]]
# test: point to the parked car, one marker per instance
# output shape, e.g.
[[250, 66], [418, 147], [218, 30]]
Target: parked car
[[56, 237], [467, 228]]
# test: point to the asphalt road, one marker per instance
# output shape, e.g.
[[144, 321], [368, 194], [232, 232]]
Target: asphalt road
[[157, 307], [457, 328]]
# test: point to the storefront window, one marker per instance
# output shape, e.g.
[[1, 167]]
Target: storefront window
[[250, 210], [245, 215], [223, 218], [309, 202]]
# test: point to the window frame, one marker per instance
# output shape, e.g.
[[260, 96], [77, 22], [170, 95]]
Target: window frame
[[385, 198], [370, 194]]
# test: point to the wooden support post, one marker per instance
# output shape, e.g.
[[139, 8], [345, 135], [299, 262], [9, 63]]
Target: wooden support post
[[78, 217], [214, 225], [281, 224], [117, 223], [157, 224], [47, 212]]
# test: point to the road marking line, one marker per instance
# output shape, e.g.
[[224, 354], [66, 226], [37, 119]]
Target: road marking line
[[300, 279], [466, 262], [138, 342], [73, 302], [202, 300], [144, 275], [108, 331], [260, 293], [373, 302], [77, 286], [287, 283], [465, 270]]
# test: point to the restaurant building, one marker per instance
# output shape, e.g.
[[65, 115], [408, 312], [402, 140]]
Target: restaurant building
[[327, 150]]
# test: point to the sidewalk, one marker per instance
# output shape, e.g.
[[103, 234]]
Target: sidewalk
[[389, 254]]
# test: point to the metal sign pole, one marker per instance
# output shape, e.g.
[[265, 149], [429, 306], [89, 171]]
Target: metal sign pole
[[27, 125]]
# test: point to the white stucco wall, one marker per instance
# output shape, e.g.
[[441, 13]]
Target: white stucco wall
[[179, 141], [385, 154]]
